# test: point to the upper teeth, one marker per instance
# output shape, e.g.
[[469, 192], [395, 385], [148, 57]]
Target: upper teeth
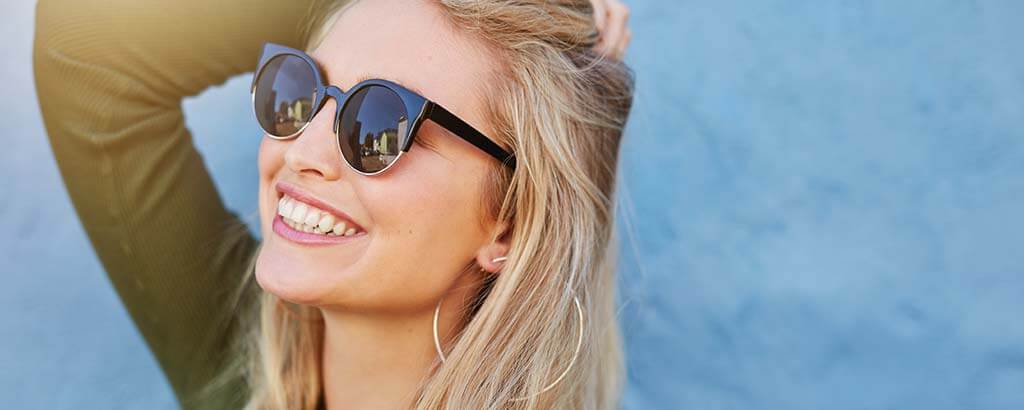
[[304, 217]]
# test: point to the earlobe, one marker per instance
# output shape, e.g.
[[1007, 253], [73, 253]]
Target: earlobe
[[492, 256]]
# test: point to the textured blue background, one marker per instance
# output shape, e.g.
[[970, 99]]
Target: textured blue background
[[820, 208]]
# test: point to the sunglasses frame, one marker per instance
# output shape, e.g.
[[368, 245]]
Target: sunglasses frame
[[414, 103]]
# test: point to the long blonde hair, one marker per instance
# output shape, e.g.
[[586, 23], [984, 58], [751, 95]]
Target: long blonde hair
[[561, 108]]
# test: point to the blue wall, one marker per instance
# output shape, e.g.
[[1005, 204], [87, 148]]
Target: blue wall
[[827, 200], [820, 207]]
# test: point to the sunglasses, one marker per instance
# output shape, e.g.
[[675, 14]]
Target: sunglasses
[[375, 121]]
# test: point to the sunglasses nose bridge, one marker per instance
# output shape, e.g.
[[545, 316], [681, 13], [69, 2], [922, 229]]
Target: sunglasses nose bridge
[[339, 100]]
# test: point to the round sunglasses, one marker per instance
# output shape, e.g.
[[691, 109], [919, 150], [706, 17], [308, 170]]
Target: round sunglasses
[[375, 121]]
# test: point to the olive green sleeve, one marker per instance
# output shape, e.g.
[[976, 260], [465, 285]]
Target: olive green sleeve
[[110, 76]]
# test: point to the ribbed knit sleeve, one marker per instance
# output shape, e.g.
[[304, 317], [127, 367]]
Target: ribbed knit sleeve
[[110, 76]]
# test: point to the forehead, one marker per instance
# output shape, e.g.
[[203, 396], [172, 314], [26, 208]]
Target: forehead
[[410, 43]]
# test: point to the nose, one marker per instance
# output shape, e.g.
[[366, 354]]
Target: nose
[[315, 150]]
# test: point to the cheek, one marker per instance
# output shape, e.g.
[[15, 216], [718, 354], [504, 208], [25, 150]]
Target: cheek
[[271, 157], [426, 226], [429, 199], [269, 163]]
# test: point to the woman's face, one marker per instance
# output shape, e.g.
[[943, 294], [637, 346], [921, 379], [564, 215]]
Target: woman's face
[[422, 221]]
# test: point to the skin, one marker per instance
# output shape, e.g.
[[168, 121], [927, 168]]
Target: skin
[[611, 17], [423, 219]]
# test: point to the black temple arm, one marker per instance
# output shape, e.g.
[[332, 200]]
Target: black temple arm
[[465, 131]]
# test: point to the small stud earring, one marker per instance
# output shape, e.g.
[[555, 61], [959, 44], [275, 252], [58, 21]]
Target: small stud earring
[[499, 259]]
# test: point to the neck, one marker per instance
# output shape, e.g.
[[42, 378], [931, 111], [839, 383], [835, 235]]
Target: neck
[[376, 360]]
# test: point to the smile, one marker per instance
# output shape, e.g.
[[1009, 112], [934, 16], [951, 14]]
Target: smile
[[307, 218]]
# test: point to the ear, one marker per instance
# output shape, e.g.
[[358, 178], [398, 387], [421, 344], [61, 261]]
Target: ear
[[498, 248]]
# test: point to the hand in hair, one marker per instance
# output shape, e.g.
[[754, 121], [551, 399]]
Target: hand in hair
[[611, 18]]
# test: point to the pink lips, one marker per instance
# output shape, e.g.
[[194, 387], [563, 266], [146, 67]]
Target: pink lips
[[306, 238]]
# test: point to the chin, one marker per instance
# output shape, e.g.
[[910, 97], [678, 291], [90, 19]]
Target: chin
[[289, 282]]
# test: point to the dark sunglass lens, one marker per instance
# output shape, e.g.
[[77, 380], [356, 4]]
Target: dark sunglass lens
[[373, 128], [285, 89]]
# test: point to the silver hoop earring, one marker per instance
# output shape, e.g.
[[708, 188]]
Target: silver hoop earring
[[579, 344]]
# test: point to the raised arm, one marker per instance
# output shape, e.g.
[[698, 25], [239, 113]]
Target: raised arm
[[110, 76]]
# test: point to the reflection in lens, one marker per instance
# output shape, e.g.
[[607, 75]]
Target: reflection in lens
[[373, 128], [284, 95]]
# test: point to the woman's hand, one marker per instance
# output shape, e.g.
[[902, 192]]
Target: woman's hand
[[611, 18]]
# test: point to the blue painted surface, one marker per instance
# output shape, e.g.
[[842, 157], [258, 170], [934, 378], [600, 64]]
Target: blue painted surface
[[821, 208]]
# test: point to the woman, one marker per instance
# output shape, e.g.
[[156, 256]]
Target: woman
[[441, 242]]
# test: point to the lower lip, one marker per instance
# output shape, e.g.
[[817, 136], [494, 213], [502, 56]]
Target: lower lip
[[306, 238]]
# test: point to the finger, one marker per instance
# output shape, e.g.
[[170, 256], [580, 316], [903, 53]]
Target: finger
[[620, 51], [600, 13], [618, 13], [608, 35]]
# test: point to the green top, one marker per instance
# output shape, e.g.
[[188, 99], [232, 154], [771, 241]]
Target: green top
[[110, 76]]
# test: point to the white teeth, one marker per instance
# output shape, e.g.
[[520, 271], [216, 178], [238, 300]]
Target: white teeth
[[286, 209], [299, 213], [305, 218], [325, 223], [312, 217]]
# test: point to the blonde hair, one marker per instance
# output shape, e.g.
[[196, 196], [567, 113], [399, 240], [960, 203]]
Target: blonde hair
[[561, 108]]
